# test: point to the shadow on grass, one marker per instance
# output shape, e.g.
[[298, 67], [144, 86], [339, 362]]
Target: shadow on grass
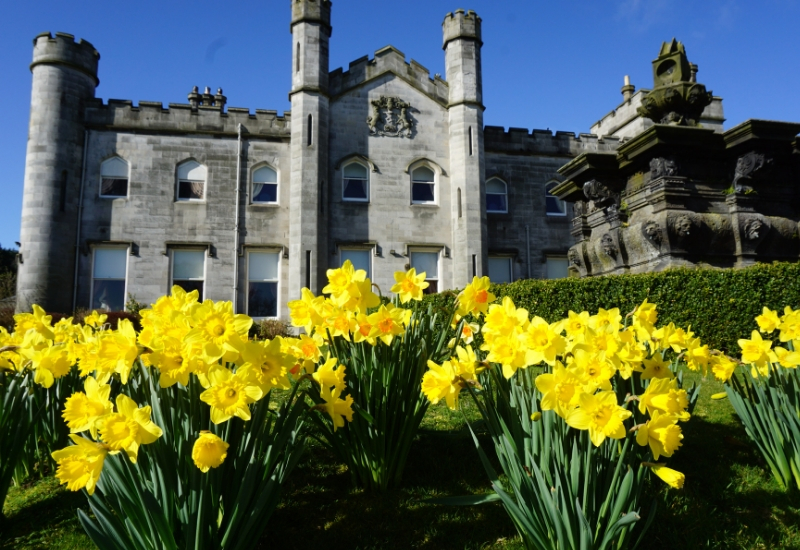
[[729, 500], [320, 509]]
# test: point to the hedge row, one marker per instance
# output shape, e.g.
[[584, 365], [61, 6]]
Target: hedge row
[[720, 305]]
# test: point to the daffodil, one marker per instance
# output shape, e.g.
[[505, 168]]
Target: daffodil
[[209, 451], [218, 329], [338, 409], [409, 285], [117, 351], [128, 428], [230, 394], [475, 298], [673, 478], [661, 433], [304, 312], [644, 320], [80, 465], [600, 415], [756, 350], [388, 322], [83, 410], [442, 382], [95, 320], [768, 321], [329, 375], [722, 367], [561, 389], [48, 363], [37, 321], [543, 342], [656, 367]]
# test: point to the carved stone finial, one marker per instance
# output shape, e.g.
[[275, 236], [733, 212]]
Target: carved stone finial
[[390, 117]]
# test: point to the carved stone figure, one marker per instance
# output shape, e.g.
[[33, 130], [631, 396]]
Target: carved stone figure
[[753, 228], [574, 257], [661, 166], [597, 193], [578, 209], [682, 225], [747, 166], [607, 242], [390, 117], [653, 232]]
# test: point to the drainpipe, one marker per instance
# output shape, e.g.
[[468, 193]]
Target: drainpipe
[[80, 220], [528, 248], [236, 225]]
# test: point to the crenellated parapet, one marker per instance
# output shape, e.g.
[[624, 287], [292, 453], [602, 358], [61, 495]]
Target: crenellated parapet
[[461, 24], [520, 141], [388, 60], [62, 49], [152, 117]]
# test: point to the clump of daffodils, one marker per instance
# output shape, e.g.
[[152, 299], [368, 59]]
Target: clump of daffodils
[[585, 359]]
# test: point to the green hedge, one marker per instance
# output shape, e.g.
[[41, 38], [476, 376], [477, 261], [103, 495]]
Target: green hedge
[[720, 305]]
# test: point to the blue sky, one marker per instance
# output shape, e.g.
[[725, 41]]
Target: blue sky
[[546, 64]]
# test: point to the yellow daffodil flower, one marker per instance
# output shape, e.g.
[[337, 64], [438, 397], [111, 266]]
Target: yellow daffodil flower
[[388, 322], [409, 285], [83, 410], [601, 415], [662, 433], [561, 390], [209, 451], [475, 298], [656, 367], [338, 409], [768, 321], [80, 465], [673, 478], [327, 376], [230, 394], [128, 428]]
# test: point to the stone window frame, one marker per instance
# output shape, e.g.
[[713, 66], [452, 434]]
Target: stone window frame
[[280, 253], [504, 256], [179, 180], [556, 256], [252, 194], [189, 248], [367, 169], [107, 161], [504, 195], [548, 197], [369, 248], [432, 249], [110, 246]]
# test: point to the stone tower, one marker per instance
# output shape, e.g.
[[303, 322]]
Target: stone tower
[[64, 78], [311, 31], [462, 45]]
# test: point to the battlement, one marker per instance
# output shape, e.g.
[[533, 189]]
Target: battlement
[[311, 11], [62, 49], [519, 141], [388, 59], [180, 118], [461, 24]]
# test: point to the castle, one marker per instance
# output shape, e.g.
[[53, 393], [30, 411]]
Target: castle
[[379, 164]]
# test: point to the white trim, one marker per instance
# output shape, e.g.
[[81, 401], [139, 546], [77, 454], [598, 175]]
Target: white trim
[[172, 267], [127, 180], [277, 184], [95, 248], [429, 250], [278, 252], [435, 183], [178, 181], [367, 180]]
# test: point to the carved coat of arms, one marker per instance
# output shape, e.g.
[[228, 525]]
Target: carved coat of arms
[[390, 117]]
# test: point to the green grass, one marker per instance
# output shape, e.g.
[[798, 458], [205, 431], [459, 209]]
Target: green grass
[[729, 501]]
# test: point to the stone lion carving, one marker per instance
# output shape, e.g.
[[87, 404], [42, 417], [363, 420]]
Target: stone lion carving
[[661, 166], [682, 225], [653, 232], [753, 228], [574, 257], [390, 117]]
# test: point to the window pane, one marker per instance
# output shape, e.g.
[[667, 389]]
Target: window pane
[[422, 192], [188, 264], [355, 170], [192, 171], [496, 203], [433, 287], [262, 299], [109, 263], [189, 286], [114, 168], [109, 295], [265, 192], [265, 174], [114, 187], [190, 189], [556, 268], [423, 174], [263, 266], [500, 270], [495, 186], [554, 205], [359, 259], [355, 189], [427, 262]]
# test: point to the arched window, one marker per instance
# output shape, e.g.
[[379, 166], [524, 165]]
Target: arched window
[[265, 186], [496, 196], [355, 182], [554, 205], [423, 186], [191, 181], [114, 178]]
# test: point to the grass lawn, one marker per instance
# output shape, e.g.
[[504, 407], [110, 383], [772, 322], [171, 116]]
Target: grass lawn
[[729, 501]]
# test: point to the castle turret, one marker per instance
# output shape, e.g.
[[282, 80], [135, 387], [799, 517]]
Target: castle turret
[[311, 31], [462, 45], [64, 78]]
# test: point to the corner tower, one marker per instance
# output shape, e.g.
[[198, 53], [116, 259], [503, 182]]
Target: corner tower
[[462, 45], [311, 31], [64, 78]]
